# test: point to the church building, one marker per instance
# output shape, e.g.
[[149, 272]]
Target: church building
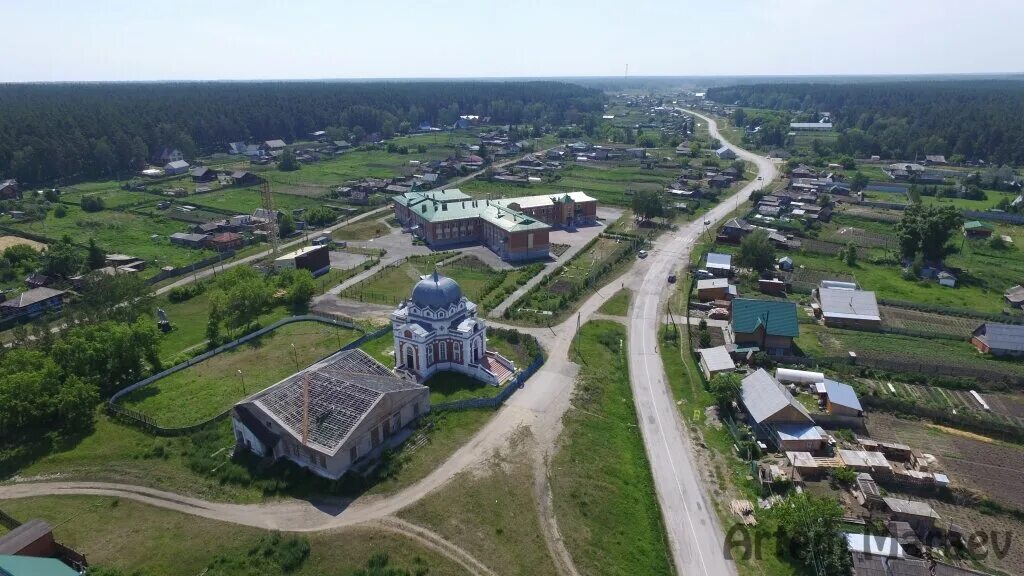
[[437, 329]]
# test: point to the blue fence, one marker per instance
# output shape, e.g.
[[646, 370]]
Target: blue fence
[[516, 383]]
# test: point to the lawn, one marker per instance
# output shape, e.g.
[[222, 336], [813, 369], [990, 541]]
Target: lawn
[[121, 232], [395, 283], [246, 200], [366, 229], [129, 536], [454, 386], [212, 386], [603, 491], [617, 305]]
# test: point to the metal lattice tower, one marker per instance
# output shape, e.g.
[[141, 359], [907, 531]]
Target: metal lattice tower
[[267, 198]]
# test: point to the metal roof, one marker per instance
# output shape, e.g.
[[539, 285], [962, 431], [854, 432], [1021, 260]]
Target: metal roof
[[912, 507], [717, 359], [718, 260], [32, 566], [777, 316], [764, 396], [343, 389], [874, 545], [30, 297], [510, 220], [712, 283], [1001, 336], [789, 432], [23, 536], [848, 304], [842, 394]]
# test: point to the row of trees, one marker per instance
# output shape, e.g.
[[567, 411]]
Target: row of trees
[[241, 294], [51, 132], [971, 119]]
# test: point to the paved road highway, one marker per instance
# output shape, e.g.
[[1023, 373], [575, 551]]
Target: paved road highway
[[694, 533]]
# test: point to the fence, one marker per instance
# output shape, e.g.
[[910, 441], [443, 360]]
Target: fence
[[180, 271], [476, 403], [898, 366], [146, 422], [995, 216], [961, 312]]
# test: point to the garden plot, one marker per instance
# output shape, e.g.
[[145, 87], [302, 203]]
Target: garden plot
[[927, 322], [995, 468], [860, 237]]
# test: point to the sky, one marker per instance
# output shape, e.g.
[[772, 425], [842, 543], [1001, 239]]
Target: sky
[[139, 40]]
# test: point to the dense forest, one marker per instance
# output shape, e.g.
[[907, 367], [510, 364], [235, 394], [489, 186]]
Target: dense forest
[[981, 119], [59, 132]]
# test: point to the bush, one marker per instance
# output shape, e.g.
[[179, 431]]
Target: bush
[[93, 203], [186, 292], [60, 211]]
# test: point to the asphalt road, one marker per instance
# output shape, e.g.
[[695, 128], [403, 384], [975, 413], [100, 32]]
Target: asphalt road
[[695, 537]]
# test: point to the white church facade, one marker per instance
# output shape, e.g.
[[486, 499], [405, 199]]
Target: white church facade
[[437, 329]]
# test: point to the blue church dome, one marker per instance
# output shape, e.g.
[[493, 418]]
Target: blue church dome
[[436, 291]]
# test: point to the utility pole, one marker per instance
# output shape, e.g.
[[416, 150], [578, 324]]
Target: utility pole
[[242, 377]]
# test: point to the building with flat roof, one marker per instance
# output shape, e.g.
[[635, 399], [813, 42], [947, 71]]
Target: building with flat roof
[[514, 228], [719, 264], [316, 259], [342, 410]]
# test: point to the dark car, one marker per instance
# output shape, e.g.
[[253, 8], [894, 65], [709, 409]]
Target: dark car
[[671, 278]]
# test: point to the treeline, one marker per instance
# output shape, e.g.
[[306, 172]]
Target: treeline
[[969, 119], [53, 132]]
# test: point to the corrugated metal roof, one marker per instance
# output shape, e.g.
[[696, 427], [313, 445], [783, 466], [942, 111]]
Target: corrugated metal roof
[[789, 432], [842, 394], [848, 304], [29, 297], [1001, 336], [874, 545], [712, 283], [764, 396], [32, 566], [778, 316], [717, 359], [911, 507], [717, 260]]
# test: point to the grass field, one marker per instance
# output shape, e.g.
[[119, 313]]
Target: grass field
[[131, 536], [246, 200], [491, 512], [618, 304], [600, 477], [210, 387], [121, 232], [395, 283]]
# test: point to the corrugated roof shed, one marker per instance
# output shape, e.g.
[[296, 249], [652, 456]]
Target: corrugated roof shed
[[778, 317], [874, 545], [792, 432], [842, 394], [720, 261], [763, 396], [848, 304], [1001, 336], [717, 359], [29, 297]]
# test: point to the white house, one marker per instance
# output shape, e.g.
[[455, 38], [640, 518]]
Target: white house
[[437, 329]]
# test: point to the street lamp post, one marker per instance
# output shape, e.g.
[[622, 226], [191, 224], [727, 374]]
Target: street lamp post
[[242, 377], [295, 357]]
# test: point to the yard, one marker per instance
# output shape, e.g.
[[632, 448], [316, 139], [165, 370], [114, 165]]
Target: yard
[[617, 305], [130, 536], [208, 388], [121, 232], [600, 477], [366, 229]]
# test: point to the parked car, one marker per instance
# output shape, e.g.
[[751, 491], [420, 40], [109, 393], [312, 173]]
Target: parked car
[[671, 278], [642, 254], [703, 274]]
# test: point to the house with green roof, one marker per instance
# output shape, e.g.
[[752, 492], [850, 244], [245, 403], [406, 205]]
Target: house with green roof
[[766, 325], [978, 229]]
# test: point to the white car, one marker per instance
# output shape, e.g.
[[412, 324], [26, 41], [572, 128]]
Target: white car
[[641, 254]]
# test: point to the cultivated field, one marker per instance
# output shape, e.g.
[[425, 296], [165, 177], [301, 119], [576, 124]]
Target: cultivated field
[[208, 388], [928, 322], [995, 468], [8, 241]]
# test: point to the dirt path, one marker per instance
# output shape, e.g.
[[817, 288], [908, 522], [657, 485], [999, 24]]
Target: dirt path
[[548, 520], [435, 542]]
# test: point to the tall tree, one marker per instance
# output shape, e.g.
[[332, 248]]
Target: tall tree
[[95, 257], [757, 251]]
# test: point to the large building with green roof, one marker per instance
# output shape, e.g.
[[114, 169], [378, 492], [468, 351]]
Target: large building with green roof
[[514, 228]]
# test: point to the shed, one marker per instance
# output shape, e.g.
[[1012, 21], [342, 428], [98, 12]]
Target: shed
[[842, 399], [841, 307], [713, 289], [919, 515], [719, 264], [715, 360], [947, 279], [33, 538], [874, 545], [1015, 296], [176, 167], [978, 229], [799, 437], [999, 339]]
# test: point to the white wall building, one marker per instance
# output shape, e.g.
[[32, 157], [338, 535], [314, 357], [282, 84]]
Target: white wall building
[[437, 329]]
